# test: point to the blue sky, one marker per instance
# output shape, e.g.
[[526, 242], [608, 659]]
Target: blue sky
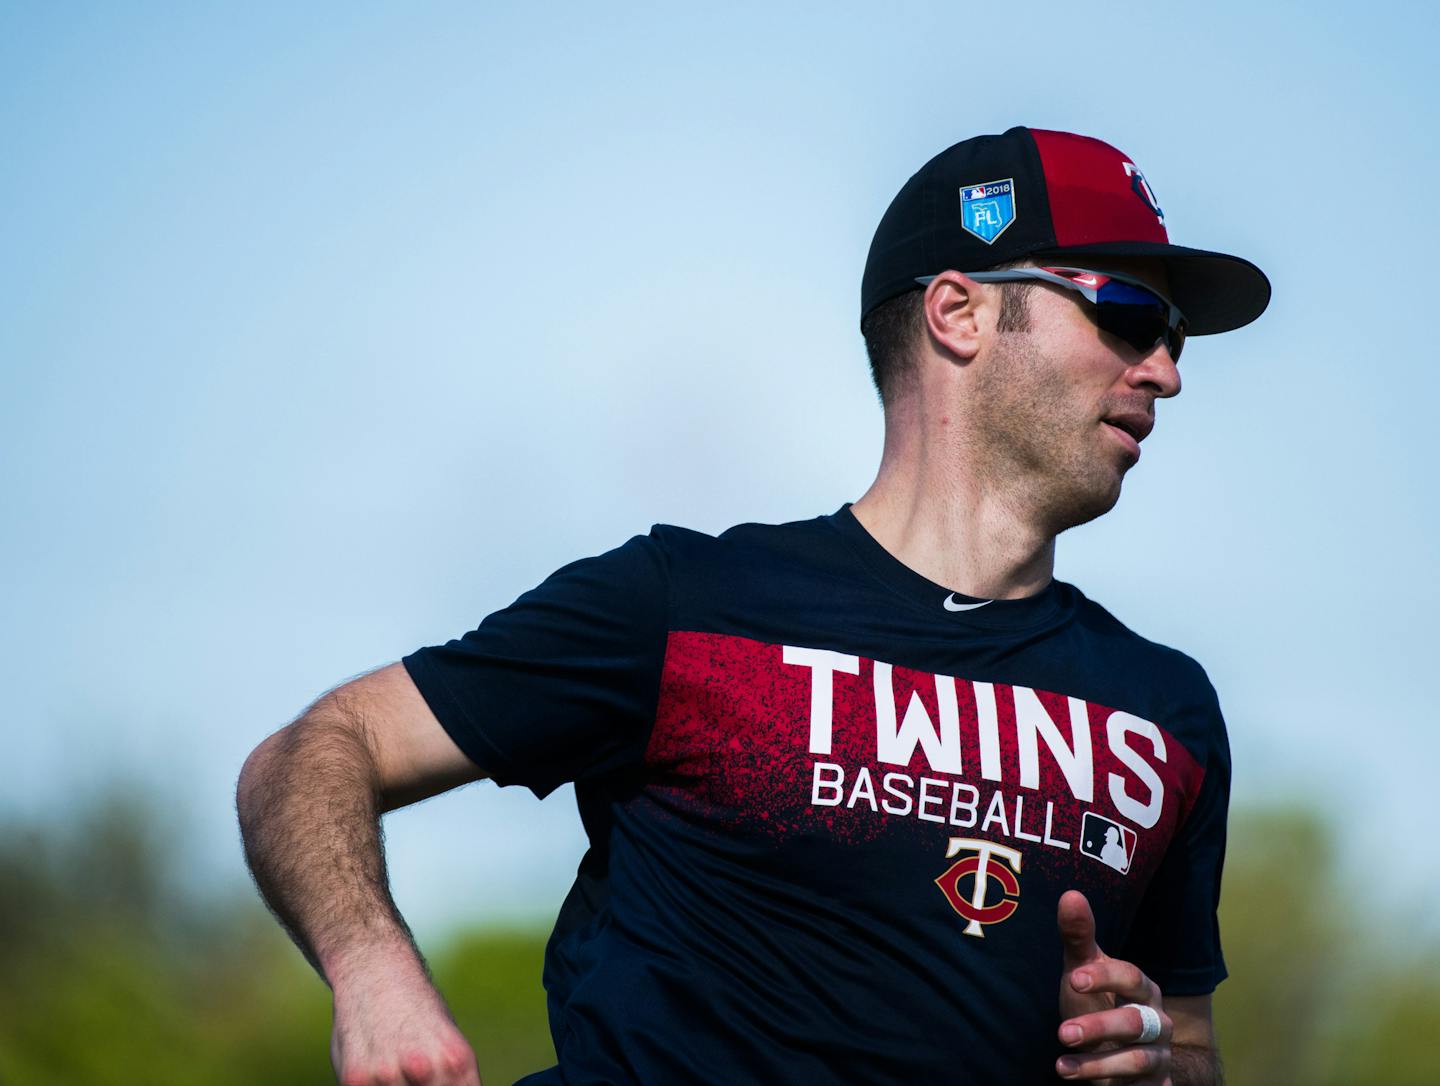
[[327, 331]]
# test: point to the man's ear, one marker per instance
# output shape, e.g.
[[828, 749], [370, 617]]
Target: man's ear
[[957, 313]]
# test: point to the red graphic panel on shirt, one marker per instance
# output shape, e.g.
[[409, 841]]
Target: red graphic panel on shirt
[[782, 741]]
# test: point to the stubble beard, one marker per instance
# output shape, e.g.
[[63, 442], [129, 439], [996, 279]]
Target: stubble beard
[[1037, 446]]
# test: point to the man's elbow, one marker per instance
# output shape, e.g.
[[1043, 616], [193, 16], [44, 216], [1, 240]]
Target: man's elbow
[[317, 745], [256, 770]]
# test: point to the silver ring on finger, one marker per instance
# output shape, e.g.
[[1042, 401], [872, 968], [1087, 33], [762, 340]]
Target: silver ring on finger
[[1149, 1023]]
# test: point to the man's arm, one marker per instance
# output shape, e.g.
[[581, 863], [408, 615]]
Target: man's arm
[[309, 800], [1195, 1060]]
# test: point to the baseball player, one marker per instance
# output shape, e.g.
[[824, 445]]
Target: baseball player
[[866, 793]]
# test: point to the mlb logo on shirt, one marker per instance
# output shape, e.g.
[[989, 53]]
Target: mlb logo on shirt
[[1109, 842]]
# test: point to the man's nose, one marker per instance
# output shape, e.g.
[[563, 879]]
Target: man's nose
[[1157, 370]]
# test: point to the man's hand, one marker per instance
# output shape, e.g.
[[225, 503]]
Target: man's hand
[[1094, 1021], [393, 1029]]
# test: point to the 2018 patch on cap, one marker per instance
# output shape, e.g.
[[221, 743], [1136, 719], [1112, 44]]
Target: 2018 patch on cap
[[988, 208]]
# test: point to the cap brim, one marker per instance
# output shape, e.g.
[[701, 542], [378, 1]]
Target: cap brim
[[1216, 292]]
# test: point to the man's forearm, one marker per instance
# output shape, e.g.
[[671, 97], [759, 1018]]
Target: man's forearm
[[1195, 1065], [311, 827]]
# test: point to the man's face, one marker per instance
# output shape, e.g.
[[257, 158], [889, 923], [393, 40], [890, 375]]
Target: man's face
[[1061, 407]]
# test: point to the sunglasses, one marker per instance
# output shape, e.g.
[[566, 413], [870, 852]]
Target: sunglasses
[[1123, 306]]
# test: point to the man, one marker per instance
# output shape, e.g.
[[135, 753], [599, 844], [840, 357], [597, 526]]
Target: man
[[863, 792]]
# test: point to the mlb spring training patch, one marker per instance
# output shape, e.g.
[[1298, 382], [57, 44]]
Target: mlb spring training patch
[[988, 209], [831, 817]]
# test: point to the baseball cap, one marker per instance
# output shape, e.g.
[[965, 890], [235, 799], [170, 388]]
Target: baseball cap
[[1030, 192]]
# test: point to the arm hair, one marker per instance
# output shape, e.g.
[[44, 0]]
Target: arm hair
[[308, 801]]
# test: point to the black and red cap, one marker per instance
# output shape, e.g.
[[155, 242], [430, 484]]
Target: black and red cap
[[1033, 193]]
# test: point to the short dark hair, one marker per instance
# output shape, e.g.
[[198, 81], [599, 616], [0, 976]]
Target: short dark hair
[[893, 328]]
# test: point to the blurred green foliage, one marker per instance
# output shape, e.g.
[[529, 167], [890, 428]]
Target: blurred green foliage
[[1324, 988], [112, 975]]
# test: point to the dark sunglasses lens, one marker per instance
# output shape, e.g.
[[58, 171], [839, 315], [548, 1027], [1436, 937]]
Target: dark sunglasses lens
[[1139, 317], [1142, 326], [1176, 341]]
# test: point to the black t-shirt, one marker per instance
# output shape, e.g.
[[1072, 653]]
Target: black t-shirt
[[832, 806]]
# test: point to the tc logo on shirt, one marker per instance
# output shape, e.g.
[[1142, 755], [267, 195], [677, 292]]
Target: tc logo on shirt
[[987, 860]]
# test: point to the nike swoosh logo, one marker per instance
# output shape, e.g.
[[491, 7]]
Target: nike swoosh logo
[[951, 605]]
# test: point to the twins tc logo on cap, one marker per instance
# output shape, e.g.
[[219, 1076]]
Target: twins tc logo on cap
[[988, 208], [1141, 188]]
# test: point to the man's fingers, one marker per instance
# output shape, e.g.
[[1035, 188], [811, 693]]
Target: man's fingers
[[453, 1065], [450, 1064], [1123, 1024], [1113, 975], [460, 1067], [412, 1072], [1137, 1063], [1077, 928]]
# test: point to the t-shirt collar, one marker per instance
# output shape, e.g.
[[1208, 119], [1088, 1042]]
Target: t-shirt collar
[[942, 604]]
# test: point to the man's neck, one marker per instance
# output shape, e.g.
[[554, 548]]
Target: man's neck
[[958, 530]]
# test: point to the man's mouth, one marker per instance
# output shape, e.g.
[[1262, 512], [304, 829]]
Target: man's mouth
[[1137, 424], [1130, 428]]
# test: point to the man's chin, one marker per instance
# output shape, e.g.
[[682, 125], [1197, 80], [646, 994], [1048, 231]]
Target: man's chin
[[1085, 505]]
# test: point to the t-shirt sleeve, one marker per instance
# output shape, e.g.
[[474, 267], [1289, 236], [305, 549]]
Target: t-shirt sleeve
[[1175, 938], [562, 684]]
